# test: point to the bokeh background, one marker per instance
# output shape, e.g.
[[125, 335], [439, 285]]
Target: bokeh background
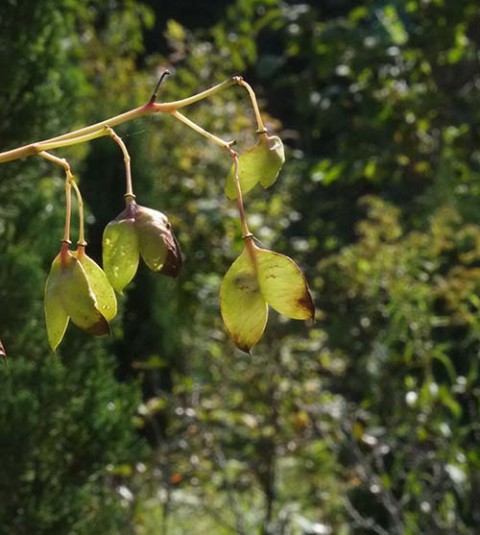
[[366, 422]]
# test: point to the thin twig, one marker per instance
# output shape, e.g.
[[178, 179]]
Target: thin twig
[[253, 98], [98, 129], [239, 520], [194, 126], [126, 158], [62, 162], [362, 522], [246, 234], [81, 219], [153, 98]]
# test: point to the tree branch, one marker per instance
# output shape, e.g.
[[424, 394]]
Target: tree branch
[[88, 133]]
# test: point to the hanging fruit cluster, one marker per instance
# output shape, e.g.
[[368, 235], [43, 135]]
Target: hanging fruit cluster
[[259, 278], [77, 289]]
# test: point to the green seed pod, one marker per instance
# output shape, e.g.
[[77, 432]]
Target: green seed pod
[[121, 250], [257, 279], [139, 231], [55, 316], [77, 289], [260, 163], [99, 284], [79, 301]]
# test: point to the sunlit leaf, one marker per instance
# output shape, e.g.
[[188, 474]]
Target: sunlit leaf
[[243, 307], [283, 285], [78, 299], [55, 316], [158, 246], [106, 301], [120, 252], [260, 163]]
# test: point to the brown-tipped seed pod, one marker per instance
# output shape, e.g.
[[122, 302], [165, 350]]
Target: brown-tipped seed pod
[[77, 289], [139, 232], [256, 280]]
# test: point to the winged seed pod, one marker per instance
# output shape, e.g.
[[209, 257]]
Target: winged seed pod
[[256, 279], [260, 163], [79, 290], [139, 232]]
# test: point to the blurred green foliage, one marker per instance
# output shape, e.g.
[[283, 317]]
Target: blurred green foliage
[[65, 443], [367, 421], [67, 435]]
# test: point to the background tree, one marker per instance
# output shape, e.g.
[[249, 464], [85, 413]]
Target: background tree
[[66, 424]]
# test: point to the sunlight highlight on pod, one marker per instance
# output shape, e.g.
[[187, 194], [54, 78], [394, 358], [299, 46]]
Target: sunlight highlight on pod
[[139, 232], [260, 163], [77, 289], [257, 279]]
